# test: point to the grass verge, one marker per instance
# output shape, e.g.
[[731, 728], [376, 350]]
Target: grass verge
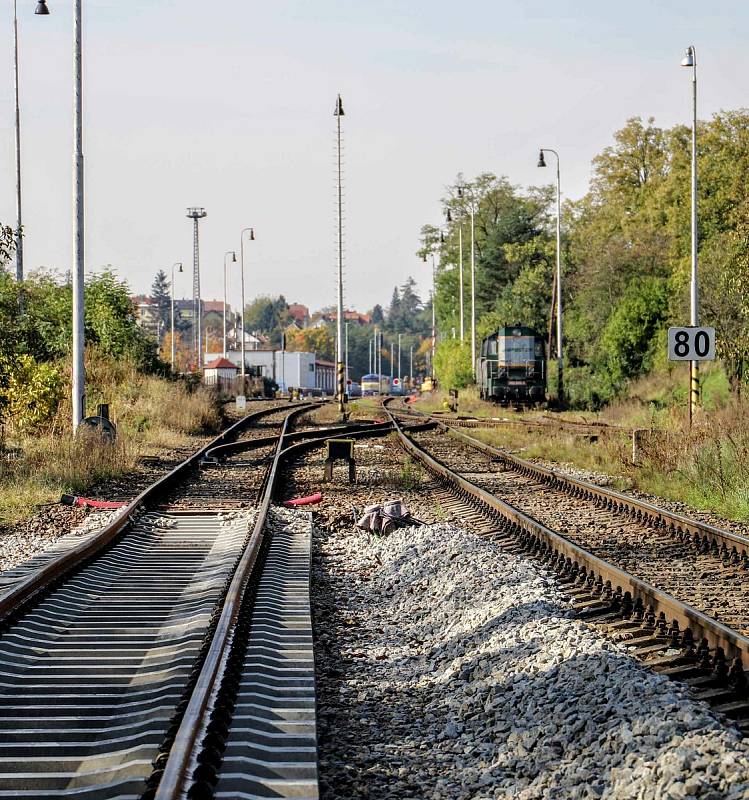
[[153, 416]]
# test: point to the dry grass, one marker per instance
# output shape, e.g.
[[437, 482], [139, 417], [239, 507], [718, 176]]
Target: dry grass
[[152, 414]]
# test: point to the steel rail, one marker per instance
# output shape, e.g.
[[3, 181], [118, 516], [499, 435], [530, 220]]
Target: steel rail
[[22, 592], [644, 511], [577, 560], [701, 534], [177, 774]]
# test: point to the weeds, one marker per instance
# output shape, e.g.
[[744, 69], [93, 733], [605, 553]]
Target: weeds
[[152, 414]]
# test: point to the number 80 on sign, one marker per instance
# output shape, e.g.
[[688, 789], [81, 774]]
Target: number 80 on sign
[[691, 344]]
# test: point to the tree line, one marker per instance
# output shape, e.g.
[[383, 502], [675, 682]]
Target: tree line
[[626, 256]]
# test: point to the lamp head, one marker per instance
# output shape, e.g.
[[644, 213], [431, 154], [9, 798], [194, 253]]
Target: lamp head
[[460, 192], [688, 60], [180, 267], [424, 257], [252, 234], [339, 108], [541, 159], [442, 237], [449, 216], [233, 255], [41, 8]]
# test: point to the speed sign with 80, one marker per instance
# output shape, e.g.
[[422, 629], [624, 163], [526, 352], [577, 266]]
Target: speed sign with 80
[[691, 344]]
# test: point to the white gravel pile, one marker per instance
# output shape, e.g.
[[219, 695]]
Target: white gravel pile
[[512, 697]]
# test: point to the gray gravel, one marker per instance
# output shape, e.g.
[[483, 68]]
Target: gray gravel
[[450, 669]]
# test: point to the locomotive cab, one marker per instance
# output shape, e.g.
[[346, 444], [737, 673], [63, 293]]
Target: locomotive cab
[[512, 367]]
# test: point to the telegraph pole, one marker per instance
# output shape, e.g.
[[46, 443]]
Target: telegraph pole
[[339, 332], [196, 214]]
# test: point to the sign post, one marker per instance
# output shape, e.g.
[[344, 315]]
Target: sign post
[[691, 343]]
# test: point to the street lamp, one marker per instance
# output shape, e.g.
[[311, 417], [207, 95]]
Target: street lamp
[[233, 255], [251, 231], [560, 357], [43, 10], [174, 351], [449, 218], [690, 60], [79, 388], [472, 211]]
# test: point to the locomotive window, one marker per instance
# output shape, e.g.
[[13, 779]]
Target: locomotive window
[[516, 349], [539, 348], [492, 347]]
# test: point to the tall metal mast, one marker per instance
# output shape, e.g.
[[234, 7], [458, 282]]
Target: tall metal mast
[[19, 219], [341, 390], [196, 214]]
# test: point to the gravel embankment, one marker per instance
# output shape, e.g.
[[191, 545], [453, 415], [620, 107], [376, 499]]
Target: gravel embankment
[[450, 669]]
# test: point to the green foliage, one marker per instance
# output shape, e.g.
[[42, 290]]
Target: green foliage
[[452, 362], [267, 315], [625, 254], [32, 394], [162, 297], [627, 343]]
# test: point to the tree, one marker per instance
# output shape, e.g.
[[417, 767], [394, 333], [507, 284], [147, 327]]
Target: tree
[[267, 315], [319, 340], [161, 295], [377, 315]]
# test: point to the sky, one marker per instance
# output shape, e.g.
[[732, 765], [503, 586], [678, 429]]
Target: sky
[[229, 106]]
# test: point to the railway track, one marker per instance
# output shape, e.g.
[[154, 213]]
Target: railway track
[[673, 588], [110, 651]]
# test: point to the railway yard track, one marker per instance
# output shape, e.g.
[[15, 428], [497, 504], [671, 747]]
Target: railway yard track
[[107, 646], [673, 587], [169, 653]]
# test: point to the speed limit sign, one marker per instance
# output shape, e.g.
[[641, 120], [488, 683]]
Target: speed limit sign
[[691, 344]]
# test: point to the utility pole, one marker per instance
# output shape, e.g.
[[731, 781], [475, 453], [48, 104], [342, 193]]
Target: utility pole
[[79, 376], [400, 376], [196, 214], [347, 375], [251, 231], [339, 326], [370, 356], [411, 367], [392, 360], [560, 350], [690, 60], [19, 218]]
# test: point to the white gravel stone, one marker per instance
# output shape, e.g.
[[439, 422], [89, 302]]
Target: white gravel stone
[[516, 699]]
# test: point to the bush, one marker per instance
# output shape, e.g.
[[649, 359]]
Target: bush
[[32, 393], [452, 363]]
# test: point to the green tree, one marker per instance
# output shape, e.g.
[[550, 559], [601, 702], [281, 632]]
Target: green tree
[[161, 295]]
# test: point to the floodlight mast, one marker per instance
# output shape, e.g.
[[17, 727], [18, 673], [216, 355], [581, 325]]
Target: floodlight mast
[[196, 214]]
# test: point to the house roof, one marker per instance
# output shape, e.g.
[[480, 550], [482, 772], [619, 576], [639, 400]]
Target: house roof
[[221, 363]]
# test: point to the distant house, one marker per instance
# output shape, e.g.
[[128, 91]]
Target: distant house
[[320, 318], [219, 371], [146, 312], [300, 314]]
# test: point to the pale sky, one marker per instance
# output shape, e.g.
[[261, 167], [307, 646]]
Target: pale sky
[[229, 105]]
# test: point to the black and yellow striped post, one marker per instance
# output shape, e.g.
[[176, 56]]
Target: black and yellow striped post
[[694, 389], [342, 390]]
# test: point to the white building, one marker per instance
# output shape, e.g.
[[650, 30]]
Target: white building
[[287, 369]]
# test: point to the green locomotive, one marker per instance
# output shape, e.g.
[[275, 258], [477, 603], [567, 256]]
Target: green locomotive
[[511, 367]]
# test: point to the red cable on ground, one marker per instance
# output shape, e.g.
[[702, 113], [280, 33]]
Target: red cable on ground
[[72, 500], [304, 501]]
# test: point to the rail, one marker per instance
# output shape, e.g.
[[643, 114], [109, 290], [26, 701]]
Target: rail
[[622, 589]]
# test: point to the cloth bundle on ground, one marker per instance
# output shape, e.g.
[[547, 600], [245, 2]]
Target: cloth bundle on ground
[[386, 517]]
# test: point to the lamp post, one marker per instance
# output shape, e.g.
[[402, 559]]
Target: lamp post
[[560, 357], [174, 349], [472, 212], [79, 388], [690, 60], [251, 231], [233, 255], [400, 377], [347, 357]]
